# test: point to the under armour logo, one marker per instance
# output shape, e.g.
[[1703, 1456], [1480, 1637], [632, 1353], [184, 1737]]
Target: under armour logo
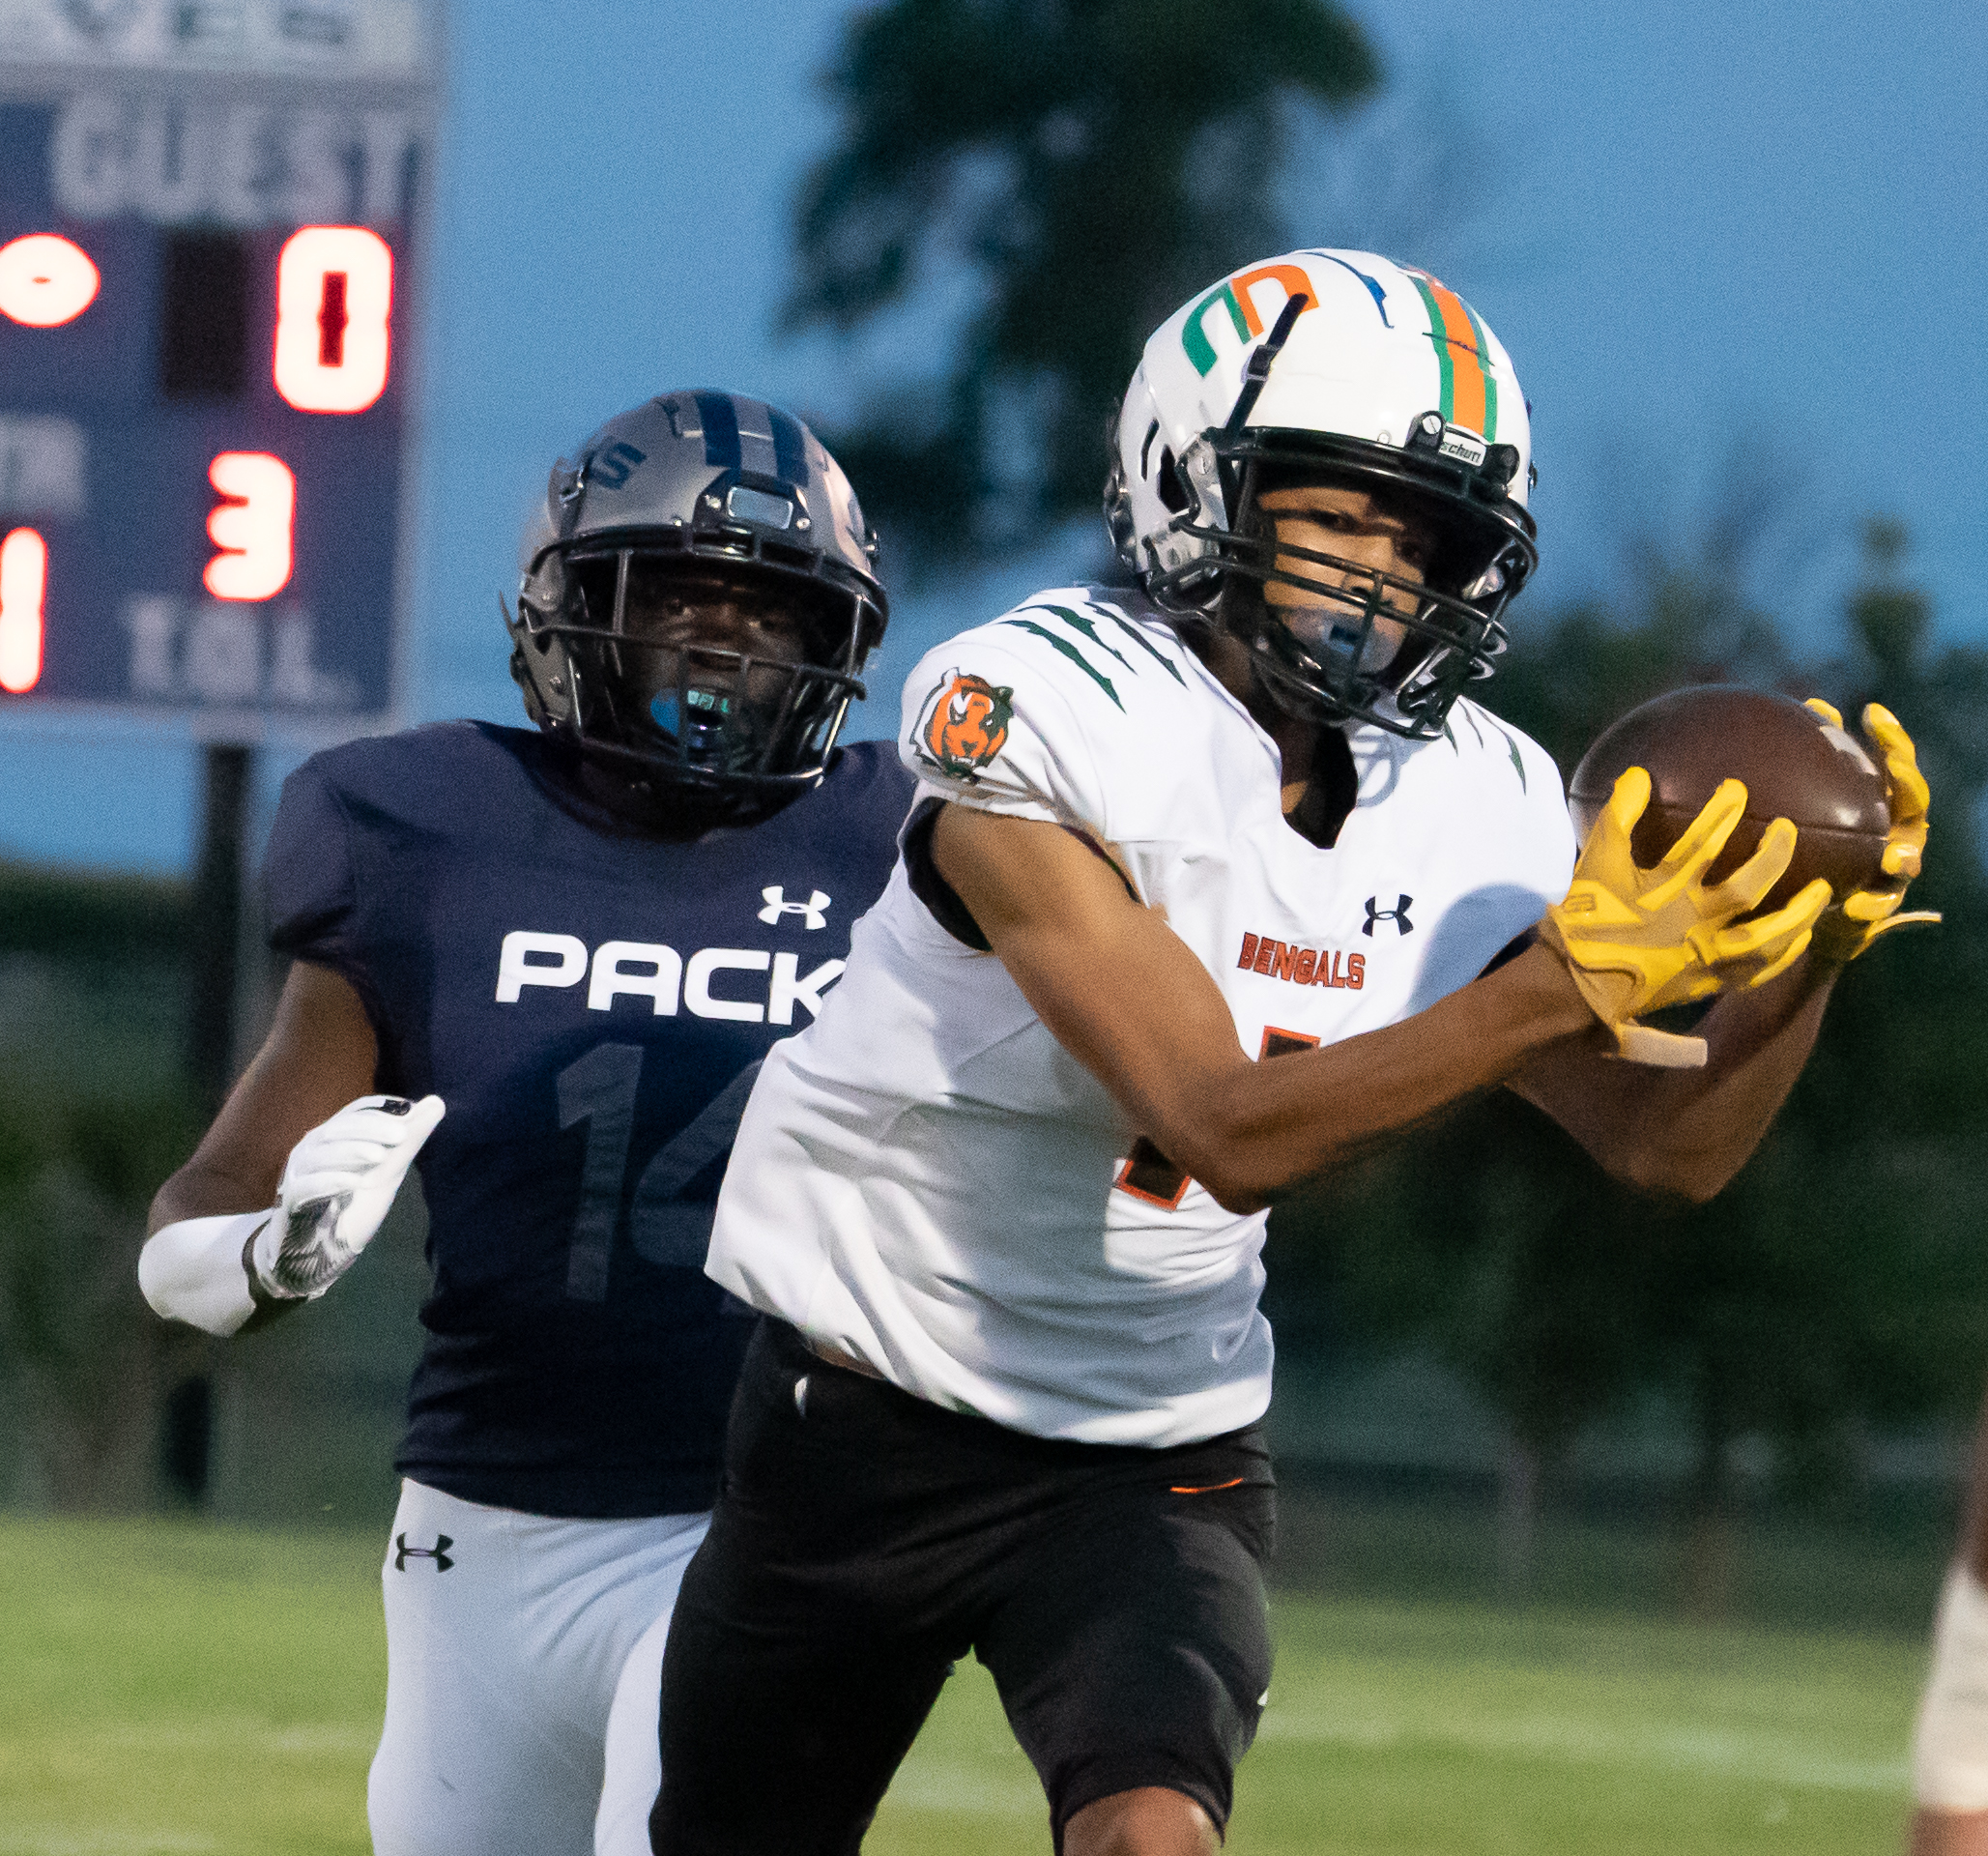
[[439, 1553], [777, 905], [1397, 915]]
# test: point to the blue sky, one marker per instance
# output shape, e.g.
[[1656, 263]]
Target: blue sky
[[1703, 230]]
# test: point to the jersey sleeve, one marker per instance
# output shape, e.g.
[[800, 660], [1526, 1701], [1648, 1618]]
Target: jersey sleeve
[[1535, 833], [1000, 718], [309, 881], [1552, 835]]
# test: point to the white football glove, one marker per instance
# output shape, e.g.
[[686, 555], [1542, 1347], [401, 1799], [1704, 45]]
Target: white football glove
[[337, 1184]]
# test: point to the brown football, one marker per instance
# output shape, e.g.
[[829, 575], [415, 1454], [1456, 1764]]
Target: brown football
[[1793, 764]]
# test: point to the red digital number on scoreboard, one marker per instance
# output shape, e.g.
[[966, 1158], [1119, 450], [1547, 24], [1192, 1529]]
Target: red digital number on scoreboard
[[335, 303], [23, 578], [252, 527], [335, 309]]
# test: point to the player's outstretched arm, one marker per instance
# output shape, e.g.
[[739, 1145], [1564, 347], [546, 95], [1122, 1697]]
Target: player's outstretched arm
[[1128, 999], [294, 1177], [1687, 1132], [1684, 1132]]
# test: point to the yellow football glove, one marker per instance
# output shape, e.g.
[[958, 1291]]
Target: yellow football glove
[[1848, 929], [1638, 940]]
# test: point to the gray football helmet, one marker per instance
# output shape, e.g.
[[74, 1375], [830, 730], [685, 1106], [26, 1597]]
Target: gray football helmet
[[697, 497]]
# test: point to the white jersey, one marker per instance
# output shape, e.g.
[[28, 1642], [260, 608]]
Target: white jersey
[[927, 1180]]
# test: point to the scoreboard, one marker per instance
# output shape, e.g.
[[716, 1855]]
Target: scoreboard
[[209, 278]]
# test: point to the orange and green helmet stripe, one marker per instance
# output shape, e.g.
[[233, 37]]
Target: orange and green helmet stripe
[[1470, 386], [1236, 295]]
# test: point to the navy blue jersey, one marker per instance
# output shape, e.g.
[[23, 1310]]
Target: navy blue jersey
[[590, 1004]]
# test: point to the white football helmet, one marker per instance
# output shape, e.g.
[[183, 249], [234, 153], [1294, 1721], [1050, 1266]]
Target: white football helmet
[[1337, 368]]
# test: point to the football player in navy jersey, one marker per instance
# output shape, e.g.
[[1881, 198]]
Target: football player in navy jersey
[[544, 965]]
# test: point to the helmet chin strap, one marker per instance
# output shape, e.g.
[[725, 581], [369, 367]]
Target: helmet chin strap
[[1256, 369], [1256, 375]]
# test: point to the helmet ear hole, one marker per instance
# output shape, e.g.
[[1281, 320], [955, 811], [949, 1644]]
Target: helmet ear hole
[[1171, 490]]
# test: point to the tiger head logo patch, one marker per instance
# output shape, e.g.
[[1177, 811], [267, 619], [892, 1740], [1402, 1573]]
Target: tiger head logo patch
[[965, 723]]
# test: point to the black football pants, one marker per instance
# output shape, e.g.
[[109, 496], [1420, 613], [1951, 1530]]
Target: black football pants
[[865, 1540]]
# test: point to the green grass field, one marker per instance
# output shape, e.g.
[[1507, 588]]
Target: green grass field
[[176, 1688]]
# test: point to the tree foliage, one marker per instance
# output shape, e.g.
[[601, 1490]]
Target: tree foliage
[[71, 915], [1089, 162], [81, 1358], [92, 1118]]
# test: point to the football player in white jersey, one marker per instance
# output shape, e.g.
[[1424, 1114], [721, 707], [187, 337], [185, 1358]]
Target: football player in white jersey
[[1003, 1203]]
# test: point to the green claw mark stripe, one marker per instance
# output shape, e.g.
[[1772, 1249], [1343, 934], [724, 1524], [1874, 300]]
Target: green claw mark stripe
[[1517, 760], [1446, 367], [1140, 639], [1074, 655], [1511, 745], [1078, 622]]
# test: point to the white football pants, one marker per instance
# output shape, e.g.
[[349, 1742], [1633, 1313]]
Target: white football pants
[[523, 1662]]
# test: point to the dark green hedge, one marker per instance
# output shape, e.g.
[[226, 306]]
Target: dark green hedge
[[89, 917]]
